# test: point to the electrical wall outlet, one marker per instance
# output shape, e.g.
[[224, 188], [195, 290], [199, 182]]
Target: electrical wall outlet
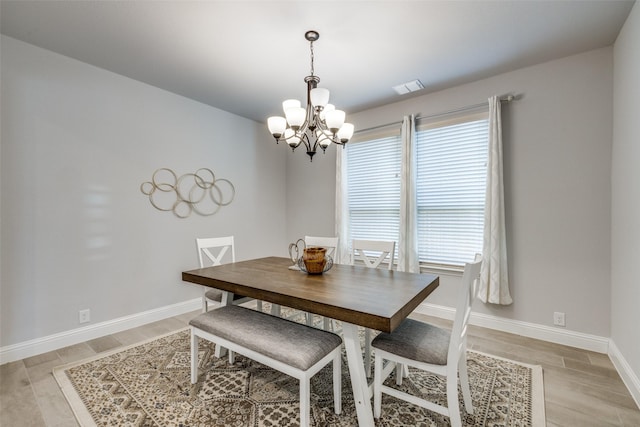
[[558, 319], [84, 316]]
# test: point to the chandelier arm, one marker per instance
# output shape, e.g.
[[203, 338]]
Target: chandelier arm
[[315, 146], [286, 138], [305, 138], [303, 129], [322, 126]]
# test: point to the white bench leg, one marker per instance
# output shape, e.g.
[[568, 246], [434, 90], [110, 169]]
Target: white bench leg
[[305, 399], [400, 373], [377, 389], [367, 352], [194, 358], [337, 383], [219, 351]]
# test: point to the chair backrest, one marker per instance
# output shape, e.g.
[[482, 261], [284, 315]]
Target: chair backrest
[[215, 249], [329, 243], [468, 293], [373, 252]]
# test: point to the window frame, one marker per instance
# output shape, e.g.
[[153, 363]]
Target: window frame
[[422, 124], [441, 121], [391, 133]]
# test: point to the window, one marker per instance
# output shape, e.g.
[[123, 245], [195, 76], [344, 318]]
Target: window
[[373, 178], [450, 187], [451, 159]]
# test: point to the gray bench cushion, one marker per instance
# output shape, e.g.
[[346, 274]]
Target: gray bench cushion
[[416, 341], [294, 344]]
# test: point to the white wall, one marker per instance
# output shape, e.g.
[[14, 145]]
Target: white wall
[[77, 142], [625, 200], [310, 193], [557, 148]]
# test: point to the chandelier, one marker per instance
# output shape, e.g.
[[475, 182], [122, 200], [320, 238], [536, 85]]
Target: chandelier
[[319, 124]]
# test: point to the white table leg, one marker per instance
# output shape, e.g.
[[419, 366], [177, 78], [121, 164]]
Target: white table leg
[[359, 384]]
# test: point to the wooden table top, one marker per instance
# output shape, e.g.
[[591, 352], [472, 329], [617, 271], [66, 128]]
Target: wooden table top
[[374, 298]]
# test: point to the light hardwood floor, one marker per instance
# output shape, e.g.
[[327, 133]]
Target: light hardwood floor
[[582, 388]]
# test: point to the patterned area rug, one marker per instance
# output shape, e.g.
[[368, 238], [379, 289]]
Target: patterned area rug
[[149, 385]]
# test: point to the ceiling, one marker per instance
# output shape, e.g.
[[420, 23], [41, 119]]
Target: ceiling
[[245, 57]]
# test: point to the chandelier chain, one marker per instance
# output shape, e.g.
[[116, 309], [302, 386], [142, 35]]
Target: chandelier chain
[[311, 48]]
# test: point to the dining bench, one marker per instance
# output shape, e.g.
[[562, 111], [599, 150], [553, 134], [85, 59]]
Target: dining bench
[[292, 348]]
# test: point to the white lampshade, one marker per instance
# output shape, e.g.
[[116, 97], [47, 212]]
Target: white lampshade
[[290, 103], [291, 138], [324, 138], [334, 119], [328, 107], [346, 132], [295, 116], [277, 125], [319, 97]]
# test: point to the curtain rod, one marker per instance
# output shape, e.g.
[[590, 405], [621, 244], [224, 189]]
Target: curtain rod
[[502, 98]]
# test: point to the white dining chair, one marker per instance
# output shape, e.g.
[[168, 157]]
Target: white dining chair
[[212, 252], [330, 244], [429, 348], [372, 254]]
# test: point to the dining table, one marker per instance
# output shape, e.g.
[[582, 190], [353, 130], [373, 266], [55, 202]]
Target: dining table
[[379, 299]]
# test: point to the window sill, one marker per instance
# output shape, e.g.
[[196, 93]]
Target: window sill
[[450, 270]]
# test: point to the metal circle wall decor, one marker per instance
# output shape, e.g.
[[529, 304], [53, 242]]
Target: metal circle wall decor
[[200, 192]]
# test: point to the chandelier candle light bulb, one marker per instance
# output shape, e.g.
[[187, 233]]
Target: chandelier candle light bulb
[[319, 124]]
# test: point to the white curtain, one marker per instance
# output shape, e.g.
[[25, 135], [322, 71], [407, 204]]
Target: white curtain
[[342, 255], [408, 242], [494, 277]]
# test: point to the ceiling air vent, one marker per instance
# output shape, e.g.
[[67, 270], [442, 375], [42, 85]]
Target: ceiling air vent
[[407, 87]]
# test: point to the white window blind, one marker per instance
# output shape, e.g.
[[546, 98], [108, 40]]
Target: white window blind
[[450, 188], [451, 177], [373, 178]]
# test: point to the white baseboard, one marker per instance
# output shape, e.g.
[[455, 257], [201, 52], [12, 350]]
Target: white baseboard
[[531, 330], [37, 346], [629, 378]]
